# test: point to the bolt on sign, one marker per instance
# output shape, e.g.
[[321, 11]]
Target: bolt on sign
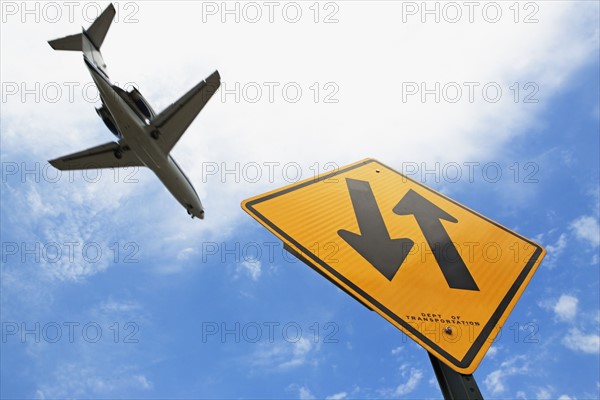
[[445, 275]]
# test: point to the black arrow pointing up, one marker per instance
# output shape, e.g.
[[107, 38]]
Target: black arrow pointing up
[[373, 242], [428, 217]]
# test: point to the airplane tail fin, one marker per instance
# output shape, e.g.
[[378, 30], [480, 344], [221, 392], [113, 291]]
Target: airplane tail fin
[[90, 40], [95, 34]]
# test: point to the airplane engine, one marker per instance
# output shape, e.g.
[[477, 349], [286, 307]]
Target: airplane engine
[[108, 120], [141, 104]]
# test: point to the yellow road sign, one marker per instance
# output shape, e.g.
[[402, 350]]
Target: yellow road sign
[[445, 275]]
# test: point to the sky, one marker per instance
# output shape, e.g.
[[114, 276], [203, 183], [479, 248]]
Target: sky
[[110, 290]]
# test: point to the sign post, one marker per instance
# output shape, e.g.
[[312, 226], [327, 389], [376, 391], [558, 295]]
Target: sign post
[[454, 385], [442, 273]]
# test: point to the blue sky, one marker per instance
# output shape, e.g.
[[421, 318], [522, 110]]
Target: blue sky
[[109, 290]]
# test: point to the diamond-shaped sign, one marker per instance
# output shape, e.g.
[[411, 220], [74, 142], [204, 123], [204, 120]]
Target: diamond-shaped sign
[[445, 275]]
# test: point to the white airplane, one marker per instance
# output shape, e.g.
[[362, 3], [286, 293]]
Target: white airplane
[[144, 137]]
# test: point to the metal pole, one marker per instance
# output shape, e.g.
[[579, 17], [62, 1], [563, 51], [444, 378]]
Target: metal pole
[[454, 385]]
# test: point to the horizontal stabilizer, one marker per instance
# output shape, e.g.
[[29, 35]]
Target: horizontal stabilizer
[[72, 43], [103, 156]]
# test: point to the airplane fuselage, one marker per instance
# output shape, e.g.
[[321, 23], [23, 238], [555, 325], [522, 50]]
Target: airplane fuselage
[[141, 137]]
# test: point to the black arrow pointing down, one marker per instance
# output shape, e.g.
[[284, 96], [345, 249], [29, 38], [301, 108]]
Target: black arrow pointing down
[[387, 254], [373, 242]]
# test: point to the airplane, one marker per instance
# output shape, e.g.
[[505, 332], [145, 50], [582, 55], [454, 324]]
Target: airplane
[[144, 138]]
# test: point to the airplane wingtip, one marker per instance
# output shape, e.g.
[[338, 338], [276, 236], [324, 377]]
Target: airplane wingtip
[[55, 163]]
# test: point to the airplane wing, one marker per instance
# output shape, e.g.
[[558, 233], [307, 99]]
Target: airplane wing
[[102, 156], [175, 119]]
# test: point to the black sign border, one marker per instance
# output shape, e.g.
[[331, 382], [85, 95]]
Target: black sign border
[[309, 256]]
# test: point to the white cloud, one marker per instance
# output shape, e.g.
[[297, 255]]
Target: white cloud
[[337, 396], [24, 293], [587, 228], [253, 268], [492, 352], [143, 381], [72, 380], [283, 355], [473, 52], [544, 393], [566, 397], [112, 306], [305, 394], [555, 250], [521, 395], [579, 341], [397, 350], [496, 380], [414, 377], [186, 253], [566, 307], [300, 350], [65, 227]]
